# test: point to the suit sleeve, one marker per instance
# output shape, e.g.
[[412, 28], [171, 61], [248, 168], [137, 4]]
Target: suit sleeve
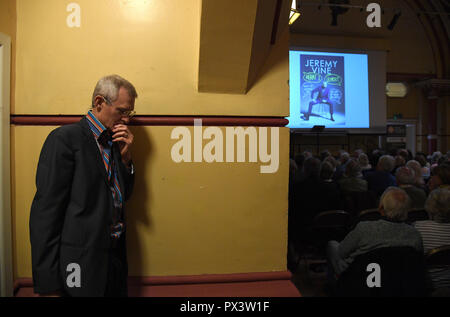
[[53, 182]]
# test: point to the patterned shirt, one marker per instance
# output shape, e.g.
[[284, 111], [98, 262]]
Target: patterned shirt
[[435, 234], [104, 142]]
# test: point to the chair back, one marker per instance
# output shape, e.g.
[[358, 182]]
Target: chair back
[[331, 218], [438, 257], [331, 225], [401, 273], [417, 215], [355, 202], [369, 215]]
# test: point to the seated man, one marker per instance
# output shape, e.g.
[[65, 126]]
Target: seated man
[[390, 231], [320, 95]]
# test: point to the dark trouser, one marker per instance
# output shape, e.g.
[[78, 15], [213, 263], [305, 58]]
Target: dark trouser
[[116, 285], [312, 103]]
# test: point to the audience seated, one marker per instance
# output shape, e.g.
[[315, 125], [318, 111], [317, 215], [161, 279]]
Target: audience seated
[[324, 155], [330, 159], [436, 232], [405, 154], [399, 161], [435, 158], [363, 161], [381, 178], [390, 231], [357, 153], [342, 160], [352, 180], [374, 157], [328, 189], [422, 159], [440, 177], [418, 176], [307, 192], [405, 179], [318, 185]]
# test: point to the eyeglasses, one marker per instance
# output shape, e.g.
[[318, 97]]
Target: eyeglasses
[[123, 113], [126, 113]]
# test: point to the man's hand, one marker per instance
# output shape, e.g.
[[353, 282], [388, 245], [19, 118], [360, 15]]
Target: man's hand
[[124, 137]]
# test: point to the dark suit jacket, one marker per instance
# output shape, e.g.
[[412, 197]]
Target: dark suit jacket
[[72, 210]]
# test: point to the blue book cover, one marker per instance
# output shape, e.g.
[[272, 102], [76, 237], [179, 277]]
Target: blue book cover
[[322, 90]]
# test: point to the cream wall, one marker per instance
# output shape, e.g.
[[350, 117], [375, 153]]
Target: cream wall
[[183, 218], [154, 44], [186, 218]]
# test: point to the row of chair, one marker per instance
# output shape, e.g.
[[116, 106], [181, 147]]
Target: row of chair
[[373, 214], [401, 272], [403, 268], [342, 221]]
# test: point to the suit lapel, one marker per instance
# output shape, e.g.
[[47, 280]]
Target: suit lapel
[[93, 150]]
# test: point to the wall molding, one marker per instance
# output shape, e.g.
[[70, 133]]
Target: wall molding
[[141, 120]]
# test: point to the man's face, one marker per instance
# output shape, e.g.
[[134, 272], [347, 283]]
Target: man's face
[[114, 113], [324, 84]]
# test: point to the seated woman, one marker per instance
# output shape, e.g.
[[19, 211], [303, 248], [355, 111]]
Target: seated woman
[[405, 179], [436, 231], [418, 176], [390, 231], [363, 161]]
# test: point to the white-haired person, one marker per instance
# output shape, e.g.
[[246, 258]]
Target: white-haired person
[[418, 175], [436, 232], [405, 178], [363, 161], [390, 231]]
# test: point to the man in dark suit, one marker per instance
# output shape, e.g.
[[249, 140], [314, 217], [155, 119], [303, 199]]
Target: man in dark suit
[[320, 95], [84, 176]]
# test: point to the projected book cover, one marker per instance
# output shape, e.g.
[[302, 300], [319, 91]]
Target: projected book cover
[[322, 89]]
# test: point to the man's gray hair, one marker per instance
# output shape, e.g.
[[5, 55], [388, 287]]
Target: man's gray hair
[[109, 86], [396, 203], [438, 205], [405, 176], [386, 163]]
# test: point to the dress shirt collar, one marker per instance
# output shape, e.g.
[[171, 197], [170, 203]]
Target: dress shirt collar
[[101, 134]]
